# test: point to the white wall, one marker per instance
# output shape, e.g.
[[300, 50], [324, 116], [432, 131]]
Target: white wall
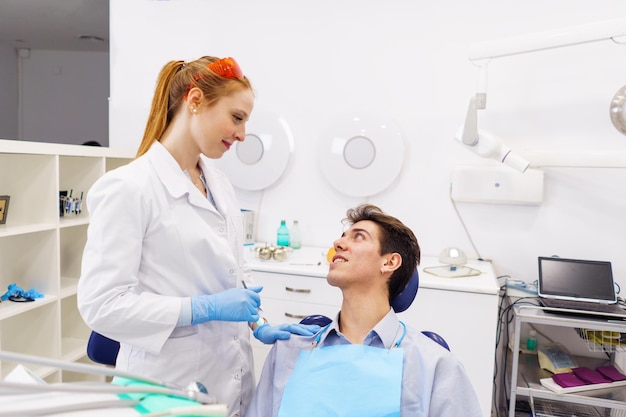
[[311, 61], [65, 96], [8, 92]]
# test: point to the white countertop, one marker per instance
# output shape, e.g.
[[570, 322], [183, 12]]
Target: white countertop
[[311, 261]]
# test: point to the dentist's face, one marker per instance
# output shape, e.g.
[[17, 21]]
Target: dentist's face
[[217, 127]]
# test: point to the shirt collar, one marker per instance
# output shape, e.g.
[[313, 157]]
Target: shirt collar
[[388, 330]]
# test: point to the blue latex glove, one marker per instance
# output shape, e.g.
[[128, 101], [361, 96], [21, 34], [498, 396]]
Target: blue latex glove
[[235, 304], [269, 334], [16, 291]]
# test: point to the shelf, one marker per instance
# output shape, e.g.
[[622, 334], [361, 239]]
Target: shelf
[[529, 369], [542, 315], [41, 250], [10, 309], [73, 349], [68, 286], [526, 373], [13, 230], [72, 220]]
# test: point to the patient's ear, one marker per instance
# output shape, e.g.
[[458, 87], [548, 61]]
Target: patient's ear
[[391, 263]]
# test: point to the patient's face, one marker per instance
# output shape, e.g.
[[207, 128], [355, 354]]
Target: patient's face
[[357, 261]]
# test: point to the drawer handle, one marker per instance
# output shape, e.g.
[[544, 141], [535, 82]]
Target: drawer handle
[[295, 316], [300, 290]]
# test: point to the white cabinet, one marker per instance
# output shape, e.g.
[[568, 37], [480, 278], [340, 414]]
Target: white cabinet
[[526, 373], [462, 310], [41, 250]]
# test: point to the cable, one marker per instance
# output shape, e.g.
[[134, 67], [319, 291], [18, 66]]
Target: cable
[[210, 410], [214, 410], [66, 408], [98, 370], [480, 258], [94, 388]]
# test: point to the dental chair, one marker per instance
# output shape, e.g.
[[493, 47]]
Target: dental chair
[[399, 304], [103, 350]]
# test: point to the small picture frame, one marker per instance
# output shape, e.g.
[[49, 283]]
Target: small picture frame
[[4, 208]]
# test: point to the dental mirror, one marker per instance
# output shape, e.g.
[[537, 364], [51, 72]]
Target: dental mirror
[[197, 387]]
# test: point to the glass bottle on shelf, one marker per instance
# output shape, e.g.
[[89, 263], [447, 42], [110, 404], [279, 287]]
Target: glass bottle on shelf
[[295, 239], [282, 235]]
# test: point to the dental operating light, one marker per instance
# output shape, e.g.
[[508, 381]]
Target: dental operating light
[[487, 146]]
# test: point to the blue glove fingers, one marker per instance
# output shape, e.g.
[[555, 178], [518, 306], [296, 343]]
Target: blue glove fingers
[[235, 304], [302, 329], [256, 289], [270, 334]]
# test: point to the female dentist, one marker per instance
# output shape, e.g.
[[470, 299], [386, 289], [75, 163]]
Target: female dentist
[[163, 269]]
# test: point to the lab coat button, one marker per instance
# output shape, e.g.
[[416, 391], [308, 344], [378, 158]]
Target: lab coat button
[[236, 338], [231, 272], [222, 230]]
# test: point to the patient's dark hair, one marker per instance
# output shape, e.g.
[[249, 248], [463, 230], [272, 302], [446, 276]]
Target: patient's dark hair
[[394, 237]]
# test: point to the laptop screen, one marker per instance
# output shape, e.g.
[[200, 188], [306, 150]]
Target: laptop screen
[[575, 279]]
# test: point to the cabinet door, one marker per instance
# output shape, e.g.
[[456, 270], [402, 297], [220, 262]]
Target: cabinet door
[[297, 288]]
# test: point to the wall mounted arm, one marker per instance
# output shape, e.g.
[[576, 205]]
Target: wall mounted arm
[[486, 145]]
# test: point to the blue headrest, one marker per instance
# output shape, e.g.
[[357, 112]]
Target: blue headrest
[[318, 319], [403, 300]]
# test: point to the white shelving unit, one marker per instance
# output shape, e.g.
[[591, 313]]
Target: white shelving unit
[[41, 250], [526, 373]]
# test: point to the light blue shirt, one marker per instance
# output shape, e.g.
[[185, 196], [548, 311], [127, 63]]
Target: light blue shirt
[[434, 382]]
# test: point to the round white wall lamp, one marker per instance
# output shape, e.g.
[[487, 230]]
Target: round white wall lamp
[[618, 110], [361, 155], [261, 159]]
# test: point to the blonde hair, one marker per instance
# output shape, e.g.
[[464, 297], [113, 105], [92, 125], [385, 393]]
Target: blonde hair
[[173, 83]]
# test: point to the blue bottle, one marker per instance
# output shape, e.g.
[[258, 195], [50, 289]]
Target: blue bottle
[[282, 235]]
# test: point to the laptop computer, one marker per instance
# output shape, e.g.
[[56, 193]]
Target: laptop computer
[[576, 285]]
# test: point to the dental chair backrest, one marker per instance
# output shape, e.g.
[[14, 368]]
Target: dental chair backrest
[[101, 349], [400, 303]]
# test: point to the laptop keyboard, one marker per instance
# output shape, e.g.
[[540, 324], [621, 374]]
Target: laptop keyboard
[[583, 305]]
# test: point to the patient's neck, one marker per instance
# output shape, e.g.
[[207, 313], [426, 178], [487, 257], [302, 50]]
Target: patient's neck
[[359, 316]]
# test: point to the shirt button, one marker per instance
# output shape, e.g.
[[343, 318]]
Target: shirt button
[[236, 338], [231, 271], [237, 377], [221, 230]]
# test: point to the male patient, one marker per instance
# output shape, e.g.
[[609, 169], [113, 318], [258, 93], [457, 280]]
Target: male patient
[[366, 362]]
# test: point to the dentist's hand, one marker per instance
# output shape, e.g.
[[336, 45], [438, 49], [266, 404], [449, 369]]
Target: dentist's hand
[[269, 334], [235, 304]]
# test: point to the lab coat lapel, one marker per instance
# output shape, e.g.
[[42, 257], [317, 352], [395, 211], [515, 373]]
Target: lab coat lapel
[[216, 185], [174, 179]]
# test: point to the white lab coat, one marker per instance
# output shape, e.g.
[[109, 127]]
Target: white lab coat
[[153, 241]]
